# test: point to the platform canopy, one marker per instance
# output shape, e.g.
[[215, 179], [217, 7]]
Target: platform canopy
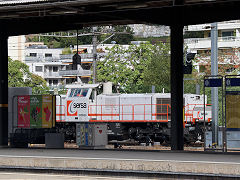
[[36, 16]]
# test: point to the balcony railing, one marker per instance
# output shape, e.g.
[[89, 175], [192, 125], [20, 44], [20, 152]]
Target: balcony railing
[[41, 59], [84, 57], [69, 56], [35, 59], [221, 25], [75, 73], [197, 40], [54, 59], [59, 86], [205, 43], [51, 74]]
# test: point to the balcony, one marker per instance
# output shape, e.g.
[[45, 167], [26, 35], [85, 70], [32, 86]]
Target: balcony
[[52, 75], [235, 24], [69, 56], [41, 59], [51, 59], [59, 86], [75, 73], [205, 43], [84, 57], [31, 58]]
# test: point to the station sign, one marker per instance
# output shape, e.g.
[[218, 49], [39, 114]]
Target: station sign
[[232, 81], [217, 82]]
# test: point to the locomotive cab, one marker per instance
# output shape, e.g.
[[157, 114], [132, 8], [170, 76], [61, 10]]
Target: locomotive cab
[[74, 106]]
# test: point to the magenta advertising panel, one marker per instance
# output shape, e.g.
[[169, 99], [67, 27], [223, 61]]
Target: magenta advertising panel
[[23, 111]]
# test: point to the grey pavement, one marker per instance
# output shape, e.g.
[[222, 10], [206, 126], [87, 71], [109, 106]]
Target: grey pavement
[[122, 155], [128, 162]]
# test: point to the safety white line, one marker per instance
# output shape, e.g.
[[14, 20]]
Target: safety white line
[[116, 159]]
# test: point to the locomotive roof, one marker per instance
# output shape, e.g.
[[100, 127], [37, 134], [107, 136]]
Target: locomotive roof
[[162, 95], [167, 95], [71, 86]]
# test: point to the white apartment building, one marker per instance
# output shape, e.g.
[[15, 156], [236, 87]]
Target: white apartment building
[[57, 69], [228, 42], [54, 67], [16, 47], [228, 33]]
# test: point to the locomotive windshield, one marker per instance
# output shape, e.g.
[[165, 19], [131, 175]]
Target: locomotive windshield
[[79, 92]]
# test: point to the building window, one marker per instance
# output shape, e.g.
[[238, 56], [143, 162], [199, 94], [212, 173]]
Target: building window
[[55, 82], [48, 55], [38, 68], [207, 51], [55, 69], [50, 82], [227, 33], [33, 54]]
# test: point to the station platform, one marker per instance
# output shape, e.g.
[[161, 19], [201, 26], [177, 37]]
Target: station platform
[[154, 163]]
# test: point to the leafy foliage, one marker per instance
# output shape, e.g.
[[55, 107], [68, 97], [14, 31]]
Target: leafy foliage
[[125, 38], [20, 76], [66, 51], [157, 72], [227, 61], [228, 64], [153, 40], [16, 73], [136, 68], [38, 84], [63, 42]]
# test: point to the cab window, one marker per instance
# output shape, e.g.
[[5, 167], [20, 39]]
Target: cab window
[[84, 92], [78, 93], [71, 93]]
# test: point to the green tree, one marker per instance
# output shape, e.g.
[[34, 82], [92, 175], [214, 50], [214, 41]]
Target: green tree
[[38, 84], [136, 68], [125, 38], [20, 76], [66, 51], [124, 67], [16, 73], [64, 42], [153, 40], [204, 61], [157, 72]]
